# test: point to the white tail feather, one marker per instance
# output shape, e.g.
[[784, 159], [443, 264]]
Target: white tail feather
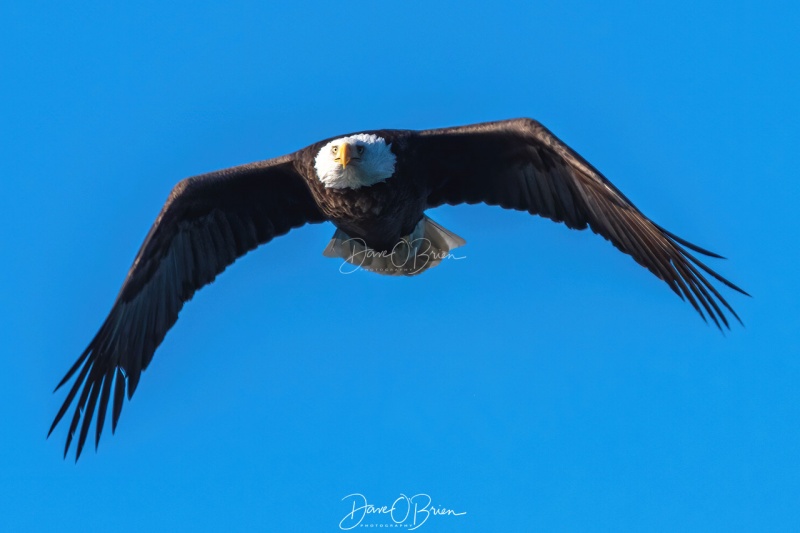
[[424, 248]]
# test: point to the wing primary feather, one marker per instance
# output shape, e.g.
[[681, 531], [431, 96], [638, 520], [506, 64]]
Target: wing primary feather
[[700, 283], [642, 251], [133, 382], [686, 291], [68, 400], [103, 406], [716, 276], [713, 289], [652, 246], [687, 243], [75, 366], [88, 412], [618, 227], [117, 345], [704, 286], [119, 397], [698, 293], [87, 388], [135, 344]]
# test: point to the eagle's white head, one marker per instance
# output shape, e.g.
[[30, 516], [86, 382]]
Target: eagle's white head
[[356, 161]]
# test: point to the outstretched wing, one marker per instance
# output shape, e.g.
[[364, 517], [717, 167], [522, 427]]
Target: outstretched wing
[[519, 164], [207, 223]]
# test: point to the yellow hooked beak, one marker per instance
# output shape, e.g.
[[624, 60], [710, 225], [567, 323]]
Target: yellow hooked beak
[[344, 154]]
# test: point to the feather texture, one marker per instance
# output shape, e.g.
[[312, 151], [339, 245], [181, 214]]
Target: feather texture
[[207, 222], [519, 164]]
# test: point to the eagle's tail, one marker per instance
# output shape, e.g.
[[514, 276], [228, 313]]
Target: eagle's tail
[[424, 248]]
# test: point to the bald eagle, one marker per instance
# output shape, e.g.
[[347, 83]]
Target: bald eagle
[[375, 188]]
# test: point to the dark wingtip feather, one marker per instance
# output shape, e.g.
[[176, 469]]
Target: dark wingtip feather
[[687, 243], [119, 397], [88, 412], [73, 427], [71, 396], [103, 407], [689, 267], [716, 276], [55, 423], [133, 382], [74, 367]]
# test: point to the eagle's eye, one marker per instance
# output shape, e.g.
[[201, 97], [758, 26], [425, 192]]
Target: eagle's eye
[[360, 149], [334, 149]]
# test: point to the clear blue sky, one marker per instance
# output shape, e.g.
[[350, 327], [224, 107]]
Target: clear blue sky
[[545, 383]]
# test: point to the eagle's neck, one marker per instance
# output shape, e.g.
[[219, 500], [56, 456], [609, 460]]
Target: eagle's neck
[[352, 177]]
